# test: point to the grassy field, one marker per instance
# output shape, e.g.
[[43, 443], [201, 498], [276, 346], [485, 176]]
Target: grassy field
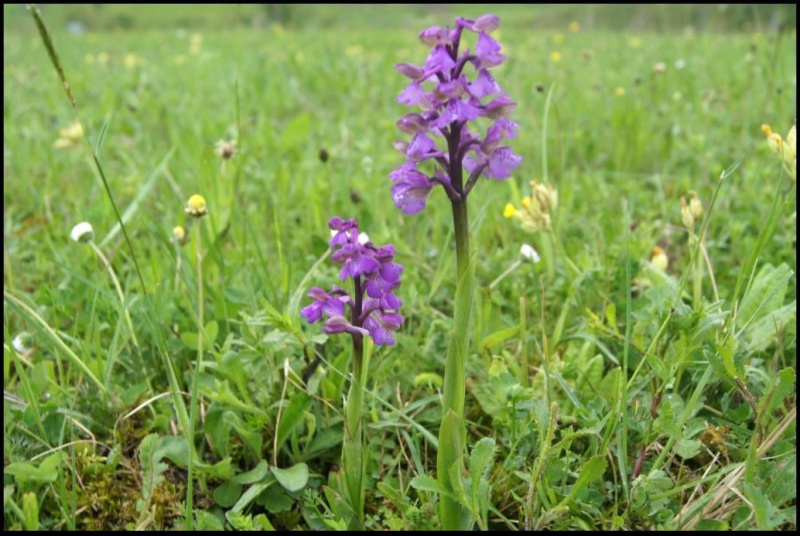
[[641, 375]]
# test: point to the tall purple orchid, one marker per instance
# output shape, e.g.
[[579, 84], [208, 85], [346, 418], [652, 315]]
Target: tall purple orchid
[[452, 101], [455, 100], [373, 311]]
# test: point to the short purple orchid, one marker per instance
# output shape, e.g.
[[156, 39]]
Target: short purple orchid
[[374, 306], [450, 100]]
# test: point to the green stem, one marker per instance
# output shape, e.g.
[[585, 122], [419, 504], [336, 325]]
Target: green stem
[[195, 378], [353, 461], [698, 277], [452, 433]]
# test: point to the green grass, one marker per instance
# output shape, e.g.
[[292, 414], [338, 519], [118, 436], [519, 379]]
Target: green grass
[[643, 408]]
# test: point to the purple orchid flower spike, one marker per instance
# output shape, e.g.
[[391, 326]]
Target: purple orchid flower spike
[[373, 308], [453, 91]]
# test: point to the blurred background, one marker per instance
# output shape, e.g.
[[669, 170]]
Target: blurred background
[[81, 18]]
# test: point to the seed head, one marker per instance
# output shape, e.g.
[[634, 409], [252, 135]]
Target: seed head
[[82, 232]]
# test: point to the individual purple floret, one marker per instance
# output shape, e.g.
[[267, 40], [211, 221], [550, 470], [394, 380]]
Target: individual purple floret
[[373, 308], [451, 101]]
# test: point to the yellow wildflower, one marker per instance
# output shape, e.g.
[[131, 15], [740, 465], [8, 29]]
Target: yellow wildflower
[[534, 215], [69, 136], [786, 149], [196, 206], [574, 26], [659, 258], [555, 56]]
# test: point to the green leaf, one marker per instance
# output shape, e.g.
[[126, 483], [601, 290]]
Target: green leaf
[[212, 328], [780, 389], [498, 337], [176, 449], [275, 500], [426, 378], [294, 478], [707, 524], [257, 474], [688, 448], [152, 469], [207, 521], [228, 493], [240, 521], [481, 457], [292, 416], [24, 471], [191, 340], [765, 294], [249, 496], [30, 511], [591, 471], [428, 483], [223, 394], [763, 332]]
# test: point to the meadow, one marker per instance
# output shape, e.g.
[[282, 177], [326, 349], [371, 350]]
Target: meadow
[[638, 374]]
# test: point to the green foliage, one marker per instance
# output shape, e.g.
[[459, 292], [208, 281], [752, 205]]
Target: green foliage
[[557, 431]]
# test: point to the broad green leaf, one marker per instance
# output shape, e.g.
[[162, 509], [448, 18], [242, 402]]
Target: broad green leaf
[[479, 460], [275, 500], [212, 328], [190, 339], [228, 493], [765, 294], [292, 416], [24, 471], [294, 478], [257, 474], [176, 449], [763, 332], [688, 448], [249, 496]]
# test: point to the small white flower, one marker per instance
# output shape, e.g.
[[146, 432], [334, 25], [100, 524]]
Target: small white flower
[[528, 253], [82, 232], [680, 63], [20, 342]]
